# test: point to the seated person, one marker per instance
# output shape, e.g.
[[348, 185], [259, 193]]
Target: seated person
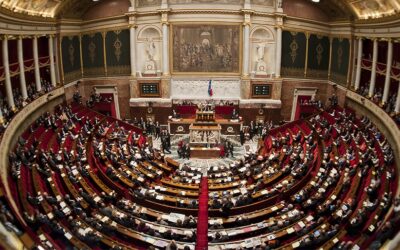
[[175, 115], [235, 115]]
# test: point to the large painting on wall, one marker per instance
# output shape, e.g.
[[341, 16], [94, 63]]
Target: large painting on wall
[[206, 48]]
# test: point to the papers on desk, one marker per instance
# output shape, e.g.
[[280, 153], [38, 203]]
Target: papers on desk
[[290, 230], [214, 221], [301, 224], [150, 240], [249, 243], [371, 228], [50, 215], [66, 210], [68, 236], [296, 244], [309, 218], [160, 243], [160, 197], [42, 237], [274, 208], [97, 199], [173, 217]]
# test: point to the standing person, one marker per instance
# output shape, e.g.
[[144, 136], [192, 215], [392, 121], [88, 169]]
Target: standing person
[[157, 129], [187, 151], [241, 133], [230, 147]]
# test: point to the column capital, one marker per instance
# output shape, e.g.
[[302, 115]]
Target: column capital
[[164, 15], [133, 26], [4, 37]]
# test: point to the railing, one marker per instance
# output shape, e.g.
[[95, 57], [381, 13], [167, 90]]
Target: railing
[[381, 68], [9, 138]]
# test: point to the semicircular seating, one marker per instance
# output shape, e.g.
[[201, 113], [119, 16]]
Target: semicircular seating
[[86, 181]]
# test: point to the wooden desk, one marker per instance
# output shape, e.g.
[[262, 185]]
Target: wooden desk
[[204, 153], [181, 126]]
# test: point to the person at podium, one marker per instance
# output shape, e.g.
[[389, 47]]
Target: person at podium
[[175, 115], [235, 114]]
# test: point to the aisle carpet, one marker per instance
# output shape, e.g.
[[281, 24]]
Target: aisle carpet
[[202, 220]]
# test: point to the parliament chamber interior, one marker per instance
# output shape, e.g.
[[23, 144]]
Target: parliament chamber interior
[[199, 124]]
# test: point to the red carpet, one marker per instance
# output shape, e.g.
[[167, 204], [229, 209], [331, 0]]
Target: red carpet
[[202, 220]]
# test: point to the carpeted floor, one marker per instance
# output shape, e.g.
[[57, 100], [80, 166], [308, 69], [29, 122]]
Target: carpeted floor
[[202, 221]]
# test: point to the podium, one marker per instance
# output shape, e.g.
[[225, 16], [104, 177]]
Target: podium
[[205, 116], [204, 135]]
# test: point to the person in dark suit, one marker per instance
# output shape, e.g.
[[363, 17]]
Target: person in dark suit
[[241, 136]]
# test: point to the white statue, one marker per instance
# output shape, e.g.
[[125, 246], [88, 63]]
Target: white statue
[[260, 51], [150, 48]]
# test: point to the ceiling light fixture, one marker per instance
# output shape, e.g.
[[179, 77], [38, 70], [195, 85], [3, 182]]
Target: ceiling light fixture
[[315, 1]]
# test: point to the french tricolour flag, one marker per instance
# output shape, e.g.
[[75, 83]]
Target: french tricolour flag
[[210, 90]]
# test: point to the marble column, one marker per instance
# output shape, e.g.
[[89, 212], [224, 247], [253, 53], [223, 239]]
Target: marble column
[[52, 68], [133, 49], [354, 69], [388, 69], [56, 59], [165, 49], [373, 70], [6, 64], [246, 49], [36, 64], [278, 52], [22, 79], [397, 107], [359, 58]]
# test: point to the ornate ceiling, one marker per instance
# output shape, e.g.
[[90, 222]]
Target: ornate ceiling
[[360, 9]]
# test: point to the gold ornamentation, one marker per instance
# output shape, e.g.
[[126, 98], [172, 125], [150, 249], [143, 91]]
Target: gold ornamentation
[[71, 51], [320, 50], [293, 49], [92, 51], [340, 56], [117, 46]]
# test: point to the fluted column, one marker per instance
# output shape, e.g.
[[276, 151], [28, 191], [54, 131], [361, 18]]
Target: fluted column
[[52, 68], [165, 49], [278, 52], [388, 69], [246, 49], [22, 80], [354, 68], [397, 107], [133, 49], [373, 71], [57, 59], [359, 58], [6, 64], [36, 64]]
